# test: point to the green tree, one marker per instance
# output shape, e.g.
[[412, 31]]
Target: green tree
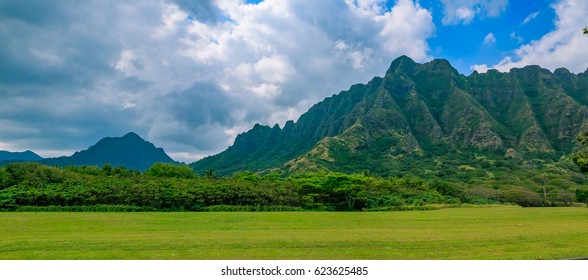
[[582, 195], [580, 158], [106, 169], [345, 192], [585, 30], [170, 170], [4, 178], [274, 176], [32, 174], [246, 176], [209, 173]]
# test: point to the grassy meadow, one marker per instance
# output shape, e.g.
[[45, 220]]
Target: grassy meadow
[[455, 233]]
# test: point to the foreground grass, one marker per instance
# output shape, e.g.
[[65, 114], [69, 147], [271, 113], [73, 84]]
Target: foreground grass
[[459, 233]]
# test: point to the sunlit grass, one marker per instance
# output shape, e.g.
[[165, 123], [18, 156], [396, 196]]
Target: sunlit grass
[[460, 233]]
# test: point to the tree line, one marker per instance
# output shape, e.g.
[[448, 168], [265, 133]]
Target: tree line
[[170, 187]]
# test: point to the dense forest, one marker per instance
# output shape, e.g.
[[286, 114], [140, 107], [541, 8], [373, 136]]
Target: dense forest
[[172, 187]]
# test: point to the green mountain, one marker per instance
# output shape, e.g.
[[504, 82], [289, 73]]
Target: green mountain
[[130, 151], [19, 156], [422, 115]]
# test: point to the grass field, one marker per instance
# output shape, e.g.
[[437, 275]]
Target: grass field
[[458, 233]]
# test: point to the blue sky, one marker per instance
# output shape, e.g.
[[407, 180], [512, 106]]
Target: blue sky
[[463, 44], [189, 75]]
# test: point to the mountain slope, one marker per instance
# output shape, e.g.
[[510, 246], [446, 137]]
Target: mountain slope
[[421, 111], [130, 151], [19, 156]]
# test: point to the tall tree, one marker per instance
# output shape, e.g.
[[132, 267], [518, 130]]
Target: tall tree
[[580, 158], [209, 173]]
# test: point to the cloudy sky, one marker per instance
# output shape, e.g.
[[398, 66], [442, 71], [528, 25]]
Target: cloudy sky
[[189, 75]]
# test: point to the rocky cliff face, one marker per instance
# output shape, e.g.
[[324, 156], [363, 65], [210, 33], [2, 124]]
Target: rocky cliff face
[[421, 110]]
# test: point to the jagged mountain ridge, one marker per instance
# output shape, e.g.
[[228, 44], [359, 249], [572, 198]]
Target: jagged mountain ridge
[[130, 151], [421, 110]]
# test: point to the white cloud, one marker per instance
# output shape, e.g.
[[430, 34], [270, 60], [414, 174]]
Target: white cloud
[[172, 16], [489, 39], [514, 36], [464, 11], [481, 68], [128, 105], [358, 57], [530, 17], [125, 63], [464, 15], [274, 69], [266, 90], [340, 45], [405, 29], [563, 47]]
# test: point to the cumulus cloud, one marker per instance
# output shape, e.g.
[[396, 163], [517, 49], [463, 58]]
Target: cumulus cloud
[[187, 75], [489, 39], [464, 11], [563, 47]]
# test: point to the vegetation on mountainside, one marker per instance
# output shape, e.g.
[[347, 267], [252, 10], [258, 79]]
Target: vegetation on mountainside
[[168, 187]]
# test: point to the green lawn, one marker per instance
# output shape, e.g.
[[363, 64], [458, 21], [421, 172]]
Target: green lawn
[[458, 233]]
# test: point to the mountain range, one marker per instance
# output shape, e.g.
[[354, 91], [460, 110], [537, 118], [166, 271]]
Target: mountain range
[[421, 112], [416, 115]]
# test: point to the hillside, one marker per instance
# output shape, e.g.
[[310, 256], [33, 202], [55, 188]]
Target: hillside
[[423, 115], [130, 151]]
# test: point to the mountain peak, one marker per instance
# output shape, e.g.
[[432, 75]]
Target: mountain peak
[[401, 59], [440, 64], [132, 135], [404, 64], [401, 64], [130, 151]]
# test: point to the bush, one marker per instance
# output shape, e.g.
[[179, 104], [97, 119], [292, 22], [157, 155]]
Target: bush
[[521, 196], [582, 195]]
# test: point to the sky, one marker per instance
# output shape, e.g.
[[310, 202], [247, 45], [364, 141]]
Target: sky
[[189, 76]]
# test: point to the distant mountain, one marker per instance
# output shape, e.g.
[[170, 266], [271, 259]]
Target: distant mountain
[[19, 156], [425, 112], [130, 151]]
